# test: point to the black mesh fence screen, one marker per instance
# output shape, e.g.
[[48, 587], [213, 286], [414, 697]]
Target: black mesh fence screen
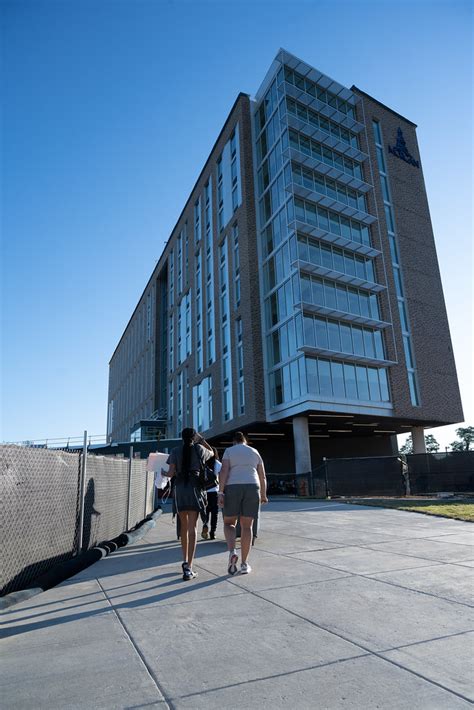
[[379, 476], [433, 473], [40, 504]]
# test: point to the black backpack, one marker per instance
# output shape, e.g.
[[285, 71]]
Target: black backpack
[[207, 477]]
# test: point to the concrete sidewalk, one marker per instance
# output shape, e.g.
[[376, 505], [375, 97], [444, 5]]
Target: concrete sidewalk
[[347, 607]]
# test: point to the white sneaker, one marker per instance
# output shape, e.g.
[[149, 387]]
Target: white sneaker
[[245, 568], [233, 559]]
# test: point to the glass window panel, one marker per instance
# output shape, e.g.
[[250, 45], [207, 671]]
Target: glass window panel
[[282, 305], [324, 373], [299, 210], [335, 227], [384, 393], [286, 383], [389, 218], [338, 260], [321, 333], [349, 264], [358, 340], [398, 281], [378, 342], [380, 159], [413, 389], [353, 301], [369, 343], [385, 193], [291, 338], [317, 292], [393, 249], [364, 304], [377, 133], [288, 296], [334, 337], [342, 299], [312, 376], [350, 381], [360, 267], [295, 380], [338, 379], [356, 232], [309, 336], [345, 228], [299, 330], [277, 387], [408, 353], [293, 249], [275, 337], [326, 256], [369, 265], [303, 252], [365, 235], [302, 375], [403, 316], [311, 214], [284, 342], [346, 338], [290, 209], [296, 288], [306, 289], [330, 295], [362, 384], [374, 389], [374, 306], [323, 219], [314, 252], [331, 190]]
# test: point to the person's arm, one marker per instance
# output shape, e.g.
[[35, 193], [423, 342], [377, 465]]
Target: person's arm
[[263, 483], [171, 471], [223, 476]]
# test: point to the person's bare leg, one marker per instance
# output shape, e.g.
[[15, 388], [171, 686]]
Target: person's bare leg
[[229, 532], [245, 537], [191, 535], [183, 518]]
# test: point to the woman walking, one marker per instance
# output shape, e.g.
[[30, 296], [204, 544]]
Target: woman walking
[[185, 464], [242, 487]]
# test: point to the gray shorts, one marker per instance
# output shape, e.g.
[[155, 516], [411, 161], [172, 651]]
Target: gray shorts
[[242, 499]]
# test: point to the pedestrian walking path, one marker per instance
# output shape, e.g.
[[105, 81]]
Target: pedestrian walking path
[[346, 607]]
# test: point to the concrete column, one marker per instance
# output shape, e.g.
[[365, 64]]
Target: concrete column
[[301, 442], [418, 437]]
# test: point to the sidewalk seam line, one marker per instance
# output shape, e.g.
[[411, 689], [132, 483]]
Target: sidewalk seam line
[[155, 681]]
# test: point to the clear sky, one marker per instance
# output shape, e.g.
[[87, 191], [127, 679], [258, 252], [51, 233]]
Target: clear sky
[[110, 111]]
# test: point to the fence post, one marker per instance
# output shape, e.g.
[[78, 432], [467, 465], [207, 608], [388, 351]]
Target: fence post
[[146, 491], [82, 495], [129, 485], [326, 476]]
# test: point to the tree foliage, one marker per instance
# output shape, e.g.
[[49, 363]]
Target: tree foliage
[[431, 444], [465, 439]]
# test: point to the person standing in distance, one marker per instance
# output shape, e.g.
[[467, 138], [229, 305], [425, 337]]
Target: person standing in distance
[[185, 463], [211, 513], [242, 487]]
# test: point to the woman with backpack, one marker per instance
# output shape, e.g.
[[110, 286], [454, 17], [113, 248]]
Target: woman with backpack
[[210, 515], [185, 464]]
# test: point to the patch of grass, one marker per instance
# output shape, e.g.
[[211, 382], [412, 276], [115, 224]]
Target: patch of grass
[[458, 509]]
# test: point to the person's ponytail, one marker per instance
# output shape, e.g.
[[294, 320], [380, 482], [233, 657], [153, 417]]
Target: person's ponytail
[[188, 436]]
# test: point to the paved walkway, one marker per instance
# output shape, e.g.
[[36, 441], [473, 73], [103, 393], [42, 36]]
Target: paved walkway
[[348, 607]]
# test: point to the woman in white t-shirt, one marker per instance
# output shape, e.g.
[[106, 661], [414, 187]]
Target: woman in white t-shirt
[[242, 487]]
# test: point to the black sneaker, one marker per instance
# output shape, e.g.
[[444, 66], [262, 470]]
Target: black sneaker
[[212, 536], [188, 574], [205, 532]]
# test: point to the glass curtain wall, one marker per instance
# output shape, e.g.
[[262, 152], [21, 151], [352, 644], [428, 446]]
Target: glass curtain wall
[[294, 335]]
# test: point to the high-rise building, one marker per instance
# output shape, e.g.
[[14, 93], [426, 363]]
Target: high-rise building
[[298, 297]]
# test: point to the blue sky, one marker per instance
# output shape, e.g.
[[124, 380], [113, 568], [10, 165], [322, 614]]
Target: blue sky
[[111, 109]]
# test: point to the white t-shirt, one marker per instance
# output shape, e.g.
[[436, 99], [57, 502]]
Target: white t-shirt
[[217, 468], [243, 461]]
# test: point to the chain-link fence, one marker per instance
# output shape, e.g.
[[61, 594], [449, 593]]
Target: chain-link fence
[[41, 502]]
